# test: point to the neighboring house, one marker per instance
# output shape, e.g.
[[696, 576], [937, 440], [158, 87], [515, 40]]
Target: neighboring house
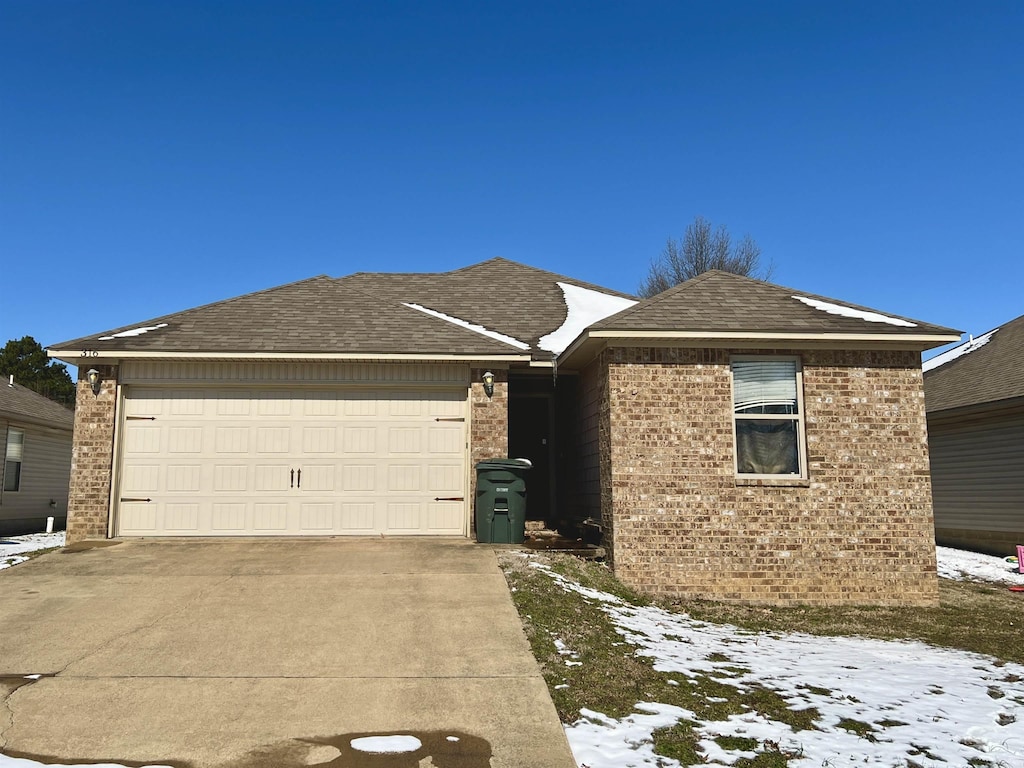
[[35, 451], [975, 398], [732, 439]]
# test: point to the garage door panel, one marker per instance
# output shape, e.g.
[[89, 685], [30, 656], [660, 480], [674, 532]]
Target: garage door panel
[[138, 518], [231, 439], [443, 516], [274, 440], [359, 477], [357, 440], [185, 439], [292, 462], [183, 478], [181, 517], [139, 439], [403, 516], [229, 517], [189, 402], [404, 477], [444, 478], [316, 517], [405, 440], [319, 439], [230, 477], [318, 477], [271, 516], [273, 477], [446, 440], [141, 479], [234, 403]]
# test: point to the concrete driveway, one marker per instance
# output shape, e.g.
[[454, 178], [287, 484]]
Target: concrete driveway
[[271, 653]]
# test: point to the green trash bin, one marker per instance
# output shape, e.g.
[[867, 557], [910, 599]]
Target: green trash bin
[[501, 501]]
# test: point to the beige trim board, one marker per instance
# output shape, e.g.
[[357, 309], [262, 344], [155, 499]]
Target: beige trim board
[[705, 336], [597, 340], [87, 357]]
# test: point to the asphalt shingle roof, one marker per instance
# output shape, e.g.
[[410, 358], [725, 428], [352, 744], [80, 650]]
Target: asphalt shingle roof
[[18, 402], [725, 302], [987, 374], [364, 313]]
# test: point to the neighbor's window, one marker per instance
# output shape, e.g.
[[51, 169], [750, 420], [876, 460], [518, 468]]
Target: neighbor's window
[[12, 464], [767, 412]]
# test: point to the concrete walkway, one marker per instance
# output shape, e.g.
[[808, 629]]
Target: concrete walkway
[[234, 653]]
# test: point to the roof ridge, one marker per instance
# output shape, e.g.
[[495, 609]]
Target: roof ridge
[[651, 300]]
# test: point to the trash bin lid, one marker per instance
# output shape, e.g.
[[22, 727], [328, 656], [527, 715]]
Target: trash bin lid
[[505, 464]]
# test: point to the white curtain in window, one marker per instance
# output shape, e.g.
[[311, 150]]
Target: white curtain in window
[[763, 383]]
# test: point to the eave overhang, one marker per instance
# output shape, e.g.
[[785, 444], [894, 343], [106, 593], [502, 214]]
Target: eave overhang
[[589, 343], [82, 358]]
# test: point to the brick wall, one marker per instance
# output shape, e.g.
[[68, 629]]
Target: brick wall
[[92, 457], [489, 421], [859, 531]]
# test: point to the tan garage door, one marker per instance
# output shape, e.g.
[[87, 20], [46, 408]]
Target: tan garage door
[[244, 462]]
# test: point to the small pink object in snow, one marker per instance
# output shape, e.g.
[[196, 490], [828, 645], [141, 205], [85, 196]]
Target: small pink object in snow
[[1020, 559]]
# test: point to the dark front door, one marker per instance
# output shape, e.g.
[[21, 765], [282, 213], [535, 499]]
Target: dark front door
[[530, 437]]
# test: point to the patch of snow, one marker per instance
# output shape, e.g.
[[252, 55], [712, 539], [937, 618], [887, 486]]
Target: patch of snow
[[14, 548], [386, 745], [919, 700], [584, 307], [21, 762], [451, 738], [598, 741], [469, 326], [962, 349], [974, 566], [839, 309], [134, 332]]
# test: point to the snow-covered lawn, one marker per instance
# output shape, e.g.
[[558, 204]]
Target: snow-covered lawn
[[913, 704], [13, 549], [970, 566]]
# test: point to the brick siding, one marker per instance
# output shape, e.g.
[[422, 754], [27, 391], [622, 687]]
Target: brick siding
[[92, 454], [679, 523], [489, 421]]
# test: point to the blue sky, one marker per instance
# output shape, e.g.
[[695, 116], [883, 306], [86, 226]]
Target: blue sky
[[156, 156]]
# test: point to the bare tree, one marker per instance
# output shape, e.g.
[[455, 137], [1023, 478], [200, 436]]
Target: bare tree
[[700, 249]]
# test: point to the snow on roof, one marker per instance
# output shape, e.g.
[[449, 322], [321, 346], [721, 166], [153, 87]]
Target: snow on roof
[[962, 349], [470, 326], [133, 332], [584, 307], [839, 309]]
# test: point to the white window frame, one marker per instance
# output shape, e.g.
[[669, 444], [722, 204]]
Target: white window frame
[[798, 418], [7, 459]]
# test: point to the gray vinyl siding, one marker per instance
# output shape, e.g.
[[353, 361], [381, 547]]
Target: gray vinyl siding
[[45, 475], [977, 467], [588, 467]]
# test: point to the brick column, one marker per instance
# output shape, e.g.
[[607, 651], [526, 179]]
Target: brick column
[[92, 456], [488, 438]]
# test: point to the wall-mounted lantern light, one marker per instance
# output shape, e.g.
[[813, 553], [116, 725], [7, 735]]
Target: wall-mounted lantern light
[[488, 379], [94, 380]]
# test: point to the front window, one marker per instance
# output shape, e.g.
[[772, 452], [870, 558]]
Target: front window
[[12, 463], [768, 416]]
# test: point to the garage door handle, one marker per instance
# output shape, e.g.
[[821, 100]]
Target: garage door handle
[[124, 499], [299, 483], [449, 498], [454, 418], [291, 483]]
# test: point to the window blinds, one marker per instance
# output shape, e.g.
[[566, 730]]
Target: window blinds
[[760, 383]]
